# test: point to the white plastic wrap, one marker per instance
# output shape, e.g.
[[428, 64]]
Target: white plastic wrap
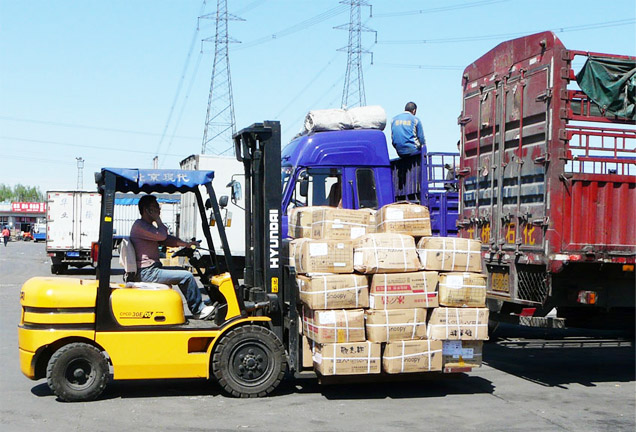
[[368, 117]]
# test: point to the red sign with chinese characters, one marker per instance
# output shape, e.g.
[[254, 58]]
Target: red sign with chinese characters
[[28, 207]]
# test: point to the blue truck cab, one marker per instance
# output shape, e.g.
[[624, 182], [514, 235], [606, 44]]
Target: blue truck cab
[[351, 169]]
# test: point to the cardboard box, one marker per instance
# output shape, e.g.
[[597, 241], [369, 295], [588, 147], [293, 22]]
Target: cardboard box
[[450, 254], [412, 356], [323, 256], [308, 353], [299, 221], [403, 290], [385, 253], [462, 290], [341, 224], [334, 326], [347, 358], [395, 324], [458, 324], [346, 291], [293, 249], [404, 218], [462, 354]]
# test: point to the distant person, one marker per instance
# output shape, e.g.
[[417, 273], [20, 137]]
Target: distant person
[[5, 235], [407, 133], [146, 234]]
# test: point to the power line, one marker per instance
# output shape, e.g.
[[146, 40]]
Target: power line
[[181, 80], [439, 9], [428, 67], [84, 146], [508, 35], [296, 27], [80, 126]]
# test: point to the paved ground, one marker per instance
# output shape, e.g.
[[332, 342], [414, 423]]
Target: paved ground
[[532, 381]]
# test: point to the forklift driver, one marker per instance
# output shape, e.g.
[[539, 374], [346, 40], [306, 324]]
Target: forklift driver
[[146, 234]]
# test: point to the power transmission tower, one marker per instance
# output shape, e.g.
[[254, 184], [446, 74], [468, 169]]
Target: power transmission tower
[[353, 92], [80, 173], [219, 120]]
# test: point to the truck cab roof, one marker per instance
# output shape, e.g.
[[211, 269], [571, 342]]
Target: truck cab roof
[[358, 147]]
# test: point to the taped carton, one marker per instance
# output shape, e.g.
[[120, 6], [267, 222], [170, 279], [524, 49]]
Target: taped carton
[[347, 291], [458, 324], [450, 254], [396, 324], [300, 219], [334, 326], [341, 224], [308, 353], [323, 256], [293, 249], [412, 356], [404, 218], [403, 290], [385, 253], [462, 290], [462, 354], [347, 358]]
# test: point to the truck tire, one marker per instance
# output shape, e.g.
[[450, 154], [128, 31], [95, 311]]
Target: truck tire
[[77, 372], [249, 362], [59, 268]]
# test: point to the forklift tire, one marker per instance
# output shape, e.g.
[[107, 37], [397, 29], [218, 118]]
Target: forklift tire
[[77, 372], [249, 362]]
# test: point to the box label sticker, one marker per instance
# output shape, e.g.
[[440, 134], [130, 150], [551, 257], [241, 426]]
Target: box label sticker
[[394, 214], [328, 317], [318, 249], [358, 259], [454, 281], [357, 232]]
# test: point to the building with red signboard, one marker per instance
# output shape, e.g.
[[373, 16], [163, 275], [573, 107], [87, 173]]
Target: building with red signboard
[[22, 216]]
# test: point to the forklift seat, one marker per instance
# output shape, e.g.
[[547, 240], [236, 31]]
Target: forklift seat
[[128, 261]]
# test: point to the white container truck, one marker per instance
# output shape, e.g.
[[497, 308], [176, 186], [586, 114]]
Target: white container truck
[[226, 169], [72, 224]]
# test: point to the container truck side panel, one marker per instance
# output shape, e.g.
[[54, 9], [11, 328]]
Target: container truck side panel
[[89, 207], [59, 215]]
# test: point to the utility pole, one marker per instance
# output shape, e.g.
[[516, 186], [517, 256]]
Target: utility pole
[[353, 92], [80, 173], [219, 120]]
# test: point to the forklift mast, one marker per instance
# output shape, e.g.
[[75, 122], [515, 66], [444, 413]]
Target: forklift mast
[[258, 147]]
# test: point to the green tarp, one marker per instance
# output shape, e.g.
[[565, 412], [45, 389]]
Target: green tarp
[[610, 83]]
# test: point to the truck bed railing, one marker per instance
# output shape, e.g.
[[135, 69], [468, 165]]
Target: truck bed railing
[[601, 150], [442, 171]]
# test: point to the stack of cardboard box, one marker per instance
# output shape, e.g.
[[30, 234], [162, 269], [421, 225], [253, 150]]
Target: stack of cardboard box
[[461, 321], [355, 322]]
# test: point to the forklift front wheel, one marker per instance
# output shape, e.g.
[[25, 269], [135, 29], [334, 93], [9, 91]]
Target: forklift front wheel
[[249, 362], [77, 372]]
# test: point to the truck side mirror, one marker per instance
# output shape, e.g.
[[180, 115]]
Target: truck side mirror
[[304, 187], [208, 204], [237, 192], [223, 201]]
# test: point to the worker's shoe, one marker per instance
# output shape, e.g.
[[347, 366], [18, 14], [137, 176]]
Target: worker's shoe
[[206, 313]]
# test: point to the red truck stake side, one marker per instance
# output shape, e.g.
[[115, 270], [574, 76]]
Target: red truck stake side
[[548, 181]]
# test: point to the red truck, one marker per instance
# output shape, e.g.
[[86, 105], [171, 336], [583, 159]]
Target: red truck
[[548, 181]]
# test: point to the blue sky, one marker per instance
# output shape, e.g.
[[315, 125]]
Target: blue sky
[[97, 79]]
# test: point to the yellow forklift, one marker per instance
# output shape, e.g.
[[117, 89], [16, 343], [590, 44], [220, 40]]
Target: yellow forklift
[[76, 332]]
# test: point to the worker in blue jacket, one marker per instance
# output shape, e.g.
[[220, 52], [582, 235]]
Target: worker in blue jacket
[[406, 132]]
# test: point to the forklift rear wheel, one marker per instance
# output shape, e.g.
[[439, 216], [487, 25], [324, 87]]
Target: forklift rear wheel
[[77, 372], [249, 362]]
